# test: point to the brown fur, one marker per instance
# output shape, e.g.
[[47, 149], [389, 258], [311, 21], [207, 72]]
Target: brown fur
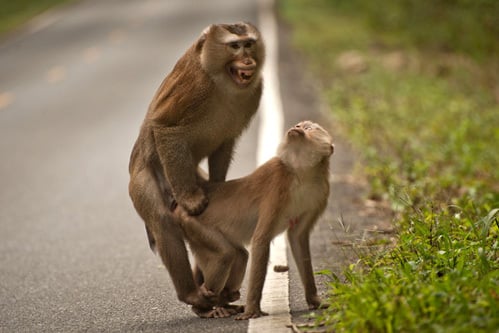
[[199, 111], [289, 192]]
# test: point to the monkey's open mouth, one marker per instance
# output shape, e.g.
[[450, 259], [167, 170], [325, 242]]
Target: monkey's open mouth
[[241, 75]]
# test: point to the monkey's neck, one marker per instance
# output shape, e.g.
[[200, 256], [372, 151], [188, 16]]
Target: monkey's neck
[[304, 172]]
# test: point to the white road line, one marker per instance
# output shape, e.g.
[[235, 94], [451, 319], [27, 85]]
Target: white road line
[[275, 299], [271, 116]]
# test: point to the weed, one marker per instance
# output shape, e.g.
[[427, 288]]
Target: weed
[[417, 101], [14, 13]]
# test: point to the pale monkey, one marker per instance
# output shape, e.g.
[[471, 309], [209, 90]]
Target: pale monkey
[[289, 192]]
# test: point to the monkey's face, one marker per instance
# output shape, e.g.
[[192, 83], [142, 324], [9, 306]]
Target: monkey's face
[[234, 50], [306, 144], [242, 68]]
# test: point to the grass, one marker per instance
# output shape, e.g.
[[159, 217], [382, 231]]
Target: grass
[[15, 13], [418, 97]]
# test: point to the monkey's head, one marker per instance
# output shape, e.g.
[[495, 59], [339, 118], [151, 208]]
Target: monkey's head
[[232, 51], [305, 145]]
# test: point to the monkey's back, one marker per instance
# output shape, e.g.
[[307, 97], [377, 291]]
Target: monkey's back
[[236, 206]]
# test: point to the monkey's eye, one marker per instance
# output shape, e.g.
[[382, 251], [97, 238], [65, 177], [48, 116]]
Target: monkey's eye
[[248, 45], [234, 46]]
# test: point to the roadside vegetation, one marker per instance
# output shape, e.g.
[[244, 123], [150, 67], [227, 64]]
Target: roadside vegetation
[[15, 12], [415, 86]]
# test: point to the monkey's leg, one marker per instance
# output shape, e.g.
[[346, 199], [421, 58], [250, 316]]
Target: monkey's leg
[[236, 276], [198, 275], [231, 292], [165, 235], [214, 254], [260, 253], [300, 248]]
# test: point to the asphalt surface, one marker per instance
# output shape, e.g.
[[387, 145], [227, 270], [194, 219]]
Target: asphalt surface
[[75, 84], [74, 88]]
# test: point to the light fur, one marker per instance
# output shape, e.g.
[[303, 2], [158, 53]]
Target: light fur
[[289, 192]]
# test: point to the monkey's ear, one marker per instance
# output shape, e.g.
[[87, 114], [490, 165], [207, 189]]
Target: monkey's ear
[[332, 149], [206, 30], [201, 40]]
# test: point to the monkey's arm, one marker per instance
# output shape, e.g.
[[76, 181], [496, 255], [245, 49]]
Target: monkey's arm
[[219, 161], [178, 166]]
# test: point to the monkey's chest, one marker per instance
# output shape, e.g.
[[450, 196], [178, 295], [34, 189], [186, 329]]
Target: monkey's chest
[[306, 200], [224, 122]]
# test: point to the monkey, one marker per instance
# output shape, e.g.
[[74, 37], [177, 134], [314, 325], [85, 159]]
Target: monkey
[[199, 111], [289, 192]]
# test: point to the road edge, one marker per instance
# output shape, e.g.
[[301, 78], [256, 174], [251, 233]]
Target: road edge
[[275, 295]]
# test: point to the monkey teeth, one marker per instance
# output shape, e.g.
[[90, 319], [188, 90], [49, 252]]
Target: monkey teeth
[[241, 76], [245, 75]]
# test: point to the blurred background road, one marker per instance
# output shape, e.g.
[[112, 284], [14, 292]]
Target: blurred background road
[[74, 87]]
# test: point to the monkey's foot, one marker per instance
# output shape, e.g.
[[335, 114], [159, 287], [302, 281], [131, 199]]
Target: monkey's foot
[[251, 314], [215, 312], [227, 296], [199, 300], [315, 302], [207, 293], [318, 306], [234, 309]]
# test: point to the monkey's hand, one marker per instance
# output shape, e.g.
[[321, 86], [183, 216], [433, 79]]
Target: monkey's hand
[[208, 294], [194, 202], [250, 314]]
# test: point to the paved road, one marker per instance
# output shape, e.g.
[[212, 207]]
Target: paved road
[[74, 87]]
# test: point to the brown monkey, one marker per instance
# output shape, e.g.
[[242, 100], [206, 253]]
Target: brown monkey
[[199, 111], [289, 192]]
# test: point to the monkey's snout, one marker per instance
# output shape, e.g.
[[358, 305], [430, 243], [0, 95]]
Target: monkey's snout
[[296, 131], [248, 62]]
